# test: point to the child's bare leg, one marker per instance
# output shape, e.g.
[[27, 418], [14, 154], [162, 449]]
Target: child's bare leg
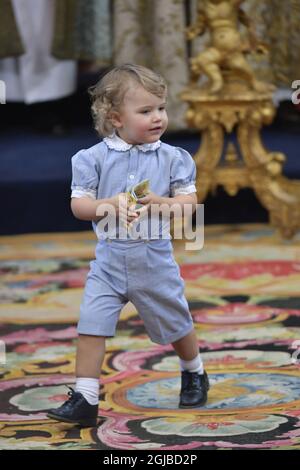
[[187, 347], [90, 356]]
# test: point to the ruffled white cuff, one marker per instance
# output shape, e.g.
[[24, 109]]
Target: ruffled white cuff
[[184, 190], [78, 192]]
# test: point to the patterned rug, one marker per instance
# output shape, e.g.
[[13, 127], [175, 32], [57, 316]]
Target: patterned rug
[[243, 292]]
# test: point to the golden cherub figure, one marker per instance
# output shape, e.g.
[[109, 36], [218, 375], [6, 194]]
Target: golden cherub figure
[[226, 49]]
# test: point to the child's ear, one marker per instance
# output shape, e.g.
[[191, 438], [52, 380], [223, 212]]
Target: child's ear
[[115, 119]]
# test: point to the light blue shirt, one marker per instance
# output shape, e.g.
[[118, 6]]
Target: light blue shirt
[[113, 166]]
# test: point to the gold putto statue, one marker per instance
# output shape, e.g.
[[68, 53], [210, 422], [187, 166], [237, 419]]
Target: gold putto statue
[[227, 49], [234, 100]]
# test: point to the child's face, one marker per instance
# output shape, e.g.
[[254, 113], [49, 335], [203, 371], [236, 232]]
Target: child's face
[[142, 118]]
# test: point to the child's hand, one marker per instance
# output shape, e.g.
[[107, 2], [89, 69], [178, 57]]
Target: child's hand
[[148, 200], [125, 212]]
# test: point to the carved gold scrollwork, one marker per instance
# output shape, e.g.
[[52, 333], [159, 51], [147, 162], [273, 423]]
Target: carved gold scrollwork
[[233, 100]]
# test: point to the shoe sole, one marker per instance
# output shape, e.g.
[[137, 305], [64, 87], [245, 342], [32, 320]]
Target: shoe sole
[[202, 403], [186, 407], [88, 423]]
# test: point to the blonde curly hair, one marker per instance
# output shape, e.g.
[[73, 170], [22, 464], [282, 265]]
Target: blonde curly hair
[[108, 94]]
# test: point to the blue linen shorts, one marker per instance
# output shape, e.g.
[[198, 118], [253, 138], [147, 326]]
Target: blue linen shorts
[[143, 272]]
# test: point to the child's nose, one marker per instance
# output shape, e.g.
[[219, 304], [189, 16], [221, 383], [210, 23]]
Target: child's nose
[[156, 116]]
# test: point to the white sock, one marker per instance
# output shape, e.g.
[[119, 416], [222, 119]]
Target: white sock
[[89, 387], [195, 365]]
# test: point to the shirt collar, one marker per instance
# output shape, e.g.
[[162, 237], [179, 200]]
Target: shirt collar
[[115, 142]]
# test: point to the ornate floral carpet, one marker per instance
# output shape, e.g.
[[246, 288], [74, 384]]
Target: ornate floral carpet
[[243, 292]]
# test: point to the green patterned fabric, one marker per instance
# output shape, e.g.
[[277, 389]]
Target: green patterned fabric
[[82, 30], [63, 46], [10, 41]]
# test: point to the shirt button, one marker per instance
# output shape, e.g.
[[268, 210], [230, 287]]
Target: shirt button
[[131, 177]]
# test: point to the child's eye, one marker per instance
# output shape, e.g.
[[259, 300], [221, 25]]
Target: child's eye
[[162, 108], [145, 111]]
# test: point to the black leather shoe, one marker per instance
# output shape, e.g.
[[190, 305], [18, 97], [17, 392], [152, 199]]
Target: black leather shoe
[[194, 388], [75, 410]]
